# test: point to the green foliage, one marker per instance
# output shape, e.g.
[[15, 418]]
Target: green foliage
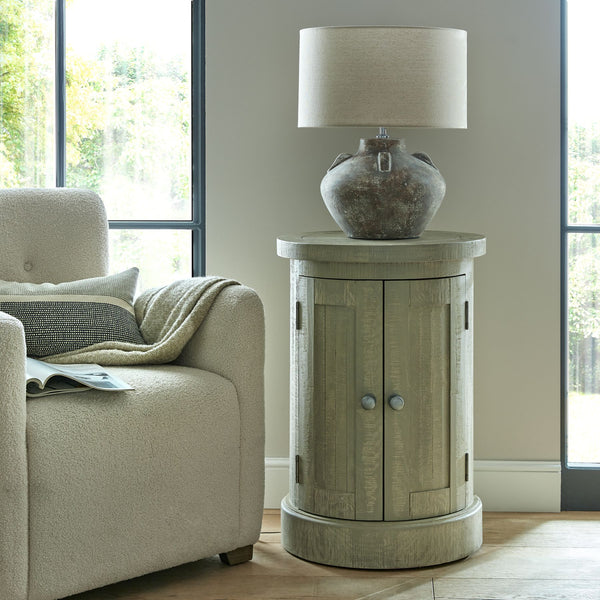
[[160, 255], [26, 92], [584, 174], [584, 259], [128, 131]]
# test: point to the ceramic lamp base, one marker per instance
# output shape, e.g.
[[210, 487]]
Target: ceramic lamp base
[[382, 192]]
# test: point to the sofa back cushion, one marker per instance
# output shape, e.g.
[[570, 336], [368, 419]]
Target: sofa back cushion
[[52, 235]]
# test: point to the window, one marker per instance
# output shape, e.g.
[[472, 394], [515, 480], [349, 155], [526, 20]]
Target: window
[[108, 96], [581, 257]]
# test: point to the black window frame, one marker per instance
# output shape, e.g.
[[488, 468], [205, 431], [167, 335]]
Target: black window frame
[[198, 140]]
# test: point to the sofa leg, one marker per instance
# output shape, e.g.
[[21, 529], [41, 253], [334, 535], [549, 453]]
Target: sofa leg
[[237, 556]]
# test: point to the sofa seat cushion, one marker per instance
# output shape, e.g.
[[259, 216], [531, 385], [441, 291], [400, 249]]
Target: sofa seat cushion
[[166, 454]]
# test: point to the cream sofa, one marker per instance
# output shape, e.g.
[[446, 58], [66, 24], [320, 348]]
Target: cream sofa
[[96, 488]]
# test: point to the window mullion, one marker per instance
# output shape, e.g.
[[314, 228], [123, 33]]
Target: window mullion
[[60, 94], [198, 137], [119, 224]]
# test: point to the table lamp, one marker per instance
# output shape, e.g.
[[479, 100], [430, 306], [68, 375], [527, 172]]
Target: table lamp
[[383, 77]]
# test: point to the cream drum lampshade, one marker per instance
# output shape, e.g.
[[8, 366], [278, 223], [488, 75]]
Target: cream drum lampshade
[[382, 76]]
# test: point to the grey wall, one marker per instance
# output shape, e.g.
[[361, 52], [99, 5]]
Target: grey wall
[[502, 175]]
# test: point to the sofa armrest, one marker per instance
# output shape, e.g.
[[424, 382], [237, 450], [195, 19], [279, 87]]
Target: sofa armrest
[[231, 343], [13, 461]]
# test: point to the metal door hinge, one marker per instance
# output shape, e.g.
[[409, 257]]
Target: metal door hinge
[[467, 466], [467, 314], [297, 468], [298, 315]]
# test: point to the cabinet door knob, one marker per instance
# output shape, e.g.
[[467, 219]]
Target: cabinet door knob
[[368, 402], [396, 402]]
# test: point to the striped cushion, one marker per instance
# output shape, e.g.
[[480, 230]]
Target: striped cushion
[[72, 315]]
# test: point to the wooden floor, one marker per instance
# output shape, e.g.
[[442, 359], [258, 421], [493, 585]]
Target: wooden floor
[[525, 556]]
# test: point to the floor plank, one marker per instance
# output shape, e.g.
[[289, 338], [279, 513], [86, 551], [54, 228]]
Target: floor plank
[[515, 589], [498, 562], [551, 530]]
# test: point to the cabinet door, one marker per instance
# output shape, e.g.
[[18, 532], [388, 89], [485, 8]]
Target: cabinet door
[[339, 360], [424, 349]]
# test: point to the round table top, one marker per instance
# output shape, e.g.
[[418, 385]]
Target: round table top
[[335, 246]]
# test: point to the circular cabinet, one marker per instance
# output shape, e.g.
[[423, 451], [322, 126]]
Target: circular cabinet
[[381, 400]]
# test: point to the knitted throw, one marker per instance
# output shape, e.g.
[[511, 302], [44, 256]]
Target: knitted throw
[[167, 317]]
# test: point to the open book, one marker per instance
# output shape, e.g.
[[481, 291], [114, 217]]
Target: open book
[[44, 378]]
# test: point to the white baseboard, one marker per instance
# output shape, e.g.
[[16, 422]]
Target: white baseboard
[[277, 481], [518, 485], [502, 485]]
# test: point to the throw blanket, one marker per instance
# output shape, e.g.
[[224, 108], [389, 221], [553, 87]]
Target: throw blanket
[[168, 317]]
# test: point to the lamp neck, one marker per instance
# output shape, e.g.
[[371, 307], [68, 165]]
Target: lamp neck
[[380, 145], [383, 134]]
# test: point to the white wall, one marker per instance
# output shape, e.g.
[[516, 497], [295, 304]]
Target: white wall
[[502, 175]]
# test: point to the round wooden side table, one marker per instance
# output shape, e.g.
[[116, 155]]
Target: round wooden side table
[[381, 400]]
